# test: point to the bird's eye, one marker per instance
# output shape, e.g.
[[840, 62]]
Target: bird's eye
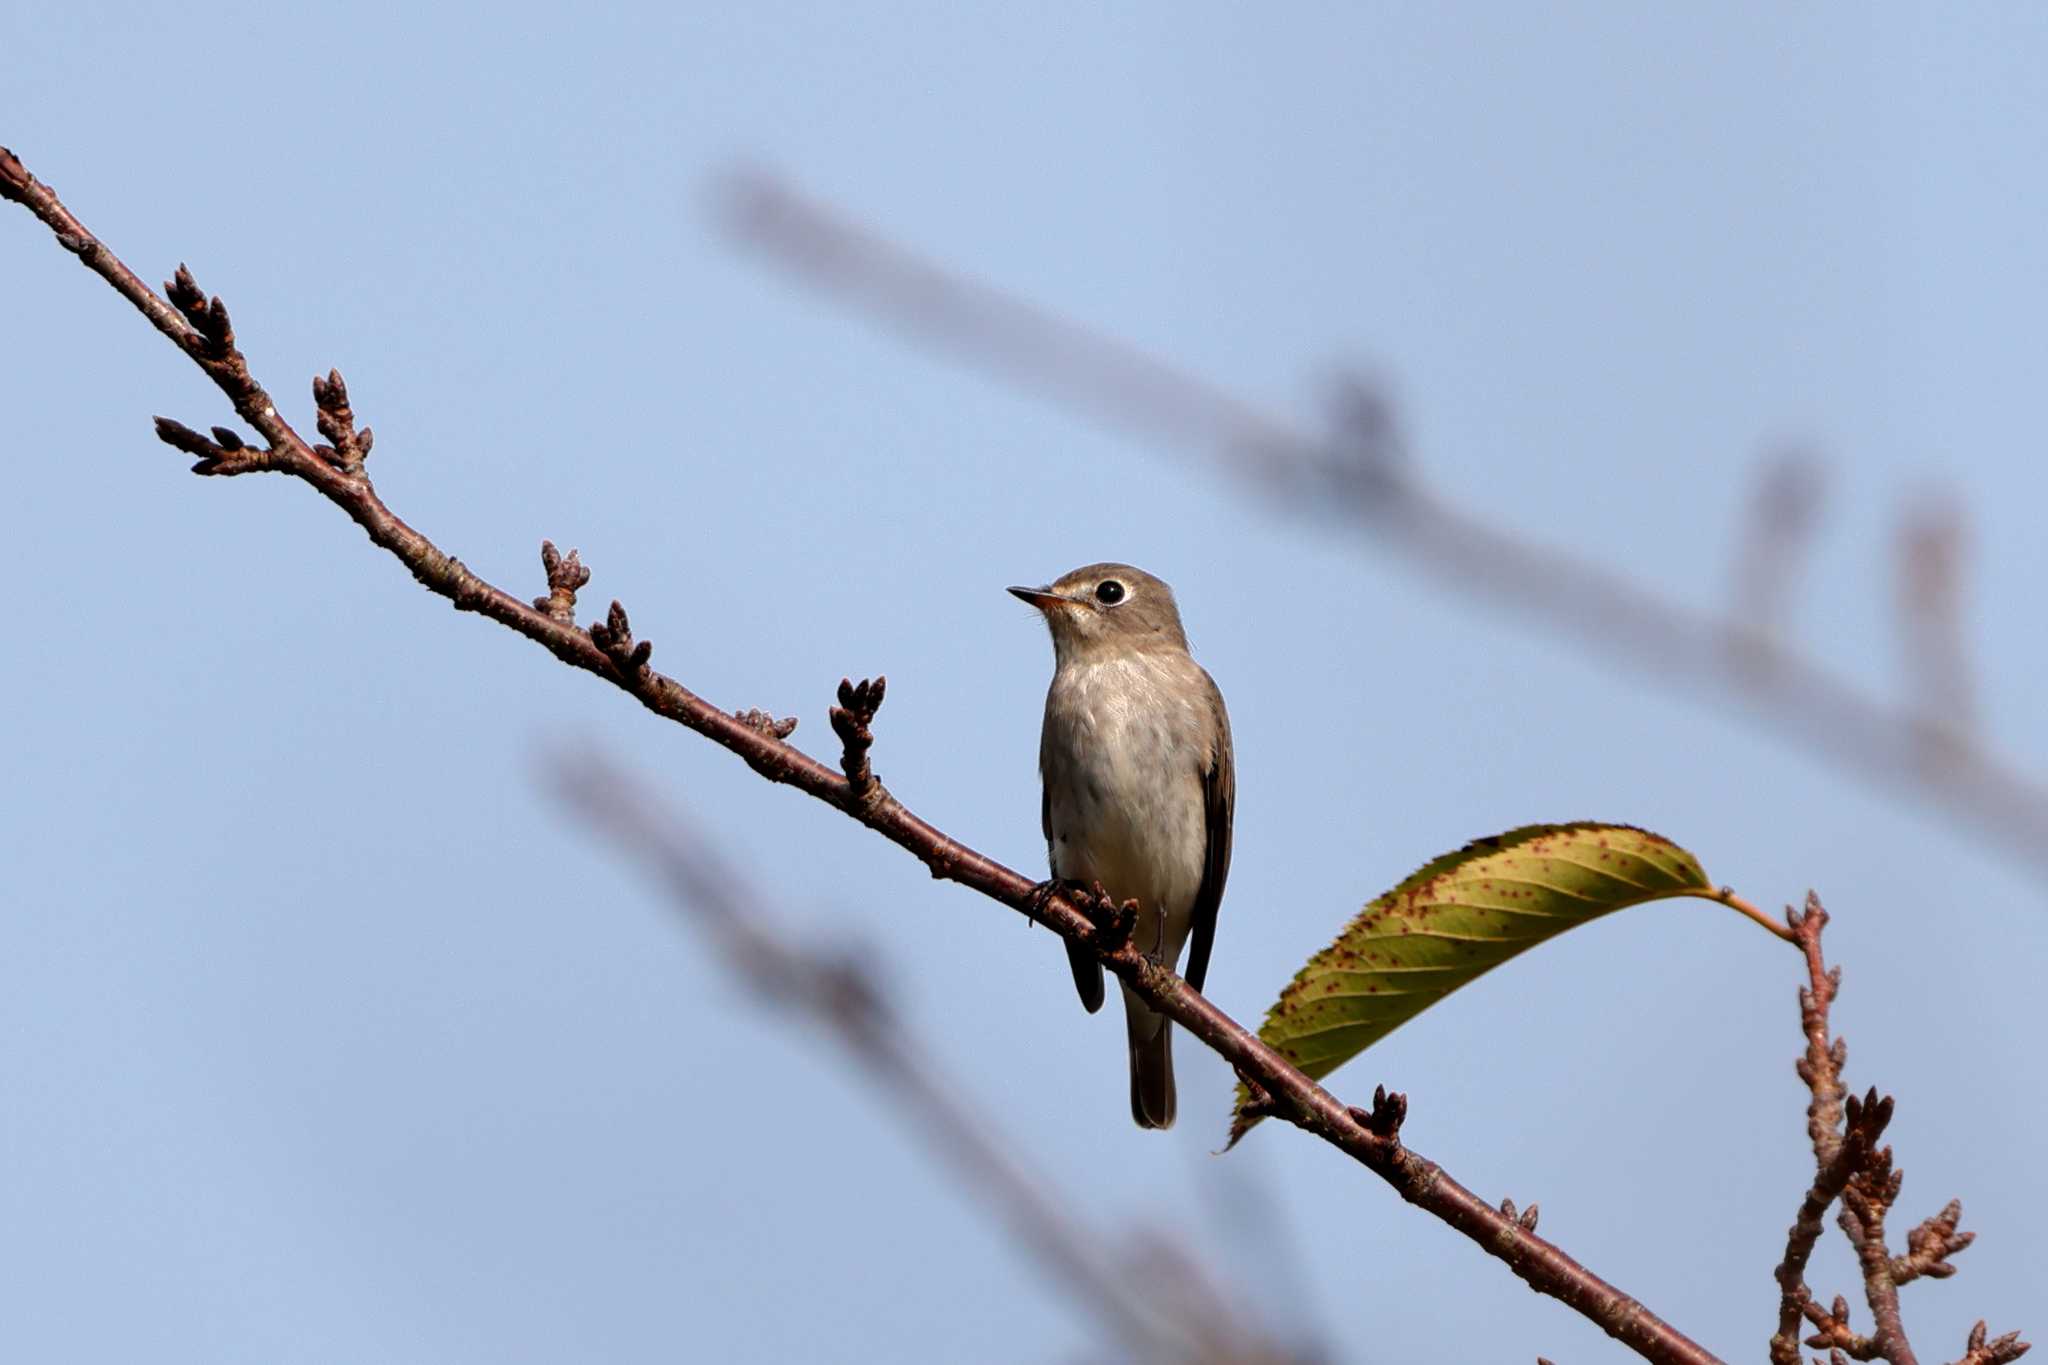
[[1109, 592]]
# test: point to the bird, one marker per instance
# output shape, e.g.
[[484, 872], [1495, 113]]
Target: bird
[[1138, 789]]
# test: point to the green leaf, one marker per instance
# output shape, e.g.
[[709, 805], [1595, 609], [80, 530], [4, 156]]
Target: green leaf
[[1460, 916]]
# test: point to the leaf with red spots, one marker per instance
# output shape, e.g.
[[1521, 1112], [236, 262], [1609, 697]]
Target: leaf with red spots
[[1460, 916]]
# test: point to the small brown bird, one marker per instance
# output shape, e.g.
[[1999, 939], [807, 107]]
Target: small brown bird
[[1139, 785]]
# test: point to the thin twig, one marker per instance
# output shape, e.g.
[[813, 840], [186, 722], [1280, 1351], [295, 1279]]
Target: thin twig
[[1776, 538], [1850, 1166], [1364, 486], [1996, 1351], [1933, 540], [609, 651], [1869, 1196], [1821, 1069]]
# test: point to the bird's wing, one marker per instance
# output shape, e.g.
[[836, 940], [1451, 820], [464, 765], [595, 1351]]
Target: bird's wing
[[1044, 805], [1219, 802], [1086, 967]]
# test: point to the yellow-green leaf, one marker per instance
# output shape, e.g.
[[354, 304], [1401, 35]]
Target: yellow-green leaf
[[1458, 917]]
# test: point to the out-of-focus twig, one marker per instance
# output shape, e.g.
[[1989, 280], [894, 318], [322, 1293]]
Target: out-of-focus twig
[[1850, 1167], [1258, 1246], [1776, 536], [838, 990], [1933, 540], [610, 650], [1355, 485]]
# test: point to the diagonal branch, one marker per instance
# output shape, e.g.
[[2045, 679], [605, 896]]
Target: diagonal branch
[[608, 650]]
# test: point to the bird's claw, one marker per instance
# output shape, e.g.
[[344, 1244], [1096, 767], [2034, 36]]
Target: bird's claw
[[1043, 893]]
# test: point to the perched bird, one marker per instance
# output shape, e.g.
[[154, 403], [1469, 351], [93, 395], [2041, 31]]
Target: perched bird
[[1138, 788]]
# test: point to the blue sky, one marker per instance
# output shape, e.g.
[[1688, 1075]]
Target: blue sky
[[326, 1036]]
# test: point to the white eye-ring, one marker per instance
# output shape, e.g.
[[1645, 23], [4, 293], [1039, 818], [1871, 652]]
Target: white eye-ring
[[1109, 592]]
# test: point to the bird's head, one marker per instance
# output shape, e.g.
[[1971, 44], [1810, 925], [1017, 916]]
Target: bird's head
[[1107, 609]]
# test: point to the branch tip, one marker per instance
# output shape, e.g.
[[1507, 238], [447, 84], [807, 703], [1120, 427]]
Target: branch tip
[[216, 328], [864, 698], [224, 453], [1867, 1117], [337, 422], [850, 721], [1930, 1244], [763, 722], [175, 433], [184, 292], [1997, 1351], [330, 391], [614, 635], [1389, 1110], [566, 575], [207, 317]]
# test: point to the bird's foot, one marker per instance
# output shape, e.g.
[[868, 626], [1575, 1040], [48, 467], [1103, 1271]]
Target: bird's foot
[[1113, 922], [1043, 893]]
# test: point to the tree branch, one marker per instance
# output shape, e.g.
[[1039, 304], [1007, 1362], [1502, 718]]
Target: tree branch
[[1851, 1167]]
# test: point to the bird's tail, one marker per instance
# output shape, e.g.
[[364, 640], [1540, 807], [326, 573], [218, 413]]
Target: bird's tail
[[1151, 1039]]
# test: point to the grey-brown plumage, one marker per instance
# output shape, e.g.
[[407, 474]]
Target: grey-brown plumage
[[1138, 788]]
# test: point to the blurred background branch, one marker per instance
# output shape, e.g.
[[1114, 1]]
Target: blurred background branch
[[1358, 479], [1147, 1294]]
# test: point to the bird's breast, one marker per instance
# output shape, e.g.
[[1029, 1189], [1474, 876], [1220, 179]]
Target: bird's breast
[[1125, 743]]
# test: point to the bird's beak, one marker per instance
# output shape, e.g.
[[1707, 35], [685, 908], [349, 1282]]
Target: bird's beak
[[1045, 599]]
